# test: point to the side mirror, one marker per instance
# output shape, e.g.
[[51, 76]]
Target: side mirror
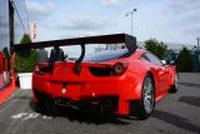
[[164, 62], [172, 62]]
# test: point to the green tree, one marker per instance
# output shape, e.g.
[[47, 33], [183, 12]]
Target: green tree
[[184, 61], [26, 60], [25, 39], [157, 48]]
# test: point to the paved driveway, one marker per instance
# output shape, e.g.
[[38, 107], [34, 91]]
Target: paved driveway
[[176, 114]]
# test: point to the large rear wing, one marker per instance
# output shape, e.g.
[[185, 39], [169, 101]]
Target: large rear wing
[[130, 42]]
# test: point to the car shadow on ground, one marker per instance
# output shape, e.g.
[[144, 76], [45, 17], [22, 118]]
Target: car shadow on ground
[[176, 120], [89, 117], [24, 97], [191, 100], [190, 84]]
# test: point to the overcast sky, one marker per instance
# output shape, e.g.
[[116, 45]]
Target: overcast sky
[[176, 21]]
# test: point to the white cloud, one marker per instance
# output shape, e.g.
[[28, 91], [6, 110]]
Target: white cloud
[[75, 26], [185, 16], [83, 24], [112, 2], [39, 9], [184, 6]]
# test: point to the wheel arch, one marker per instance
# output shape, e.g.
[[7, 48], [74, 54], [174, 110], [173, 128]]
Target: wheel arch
[[152, 76], [154, 84], [136, 106], [137, 92]]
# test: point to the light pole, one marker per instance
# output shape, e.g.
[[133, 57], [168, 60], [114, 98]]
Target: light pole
[[198, 39], [131, 14], [27, 15]]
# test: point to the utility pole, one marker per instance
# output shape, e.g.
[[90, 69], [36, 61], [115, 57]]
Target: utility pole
[[131, 14], [198, 39], [11, 25]]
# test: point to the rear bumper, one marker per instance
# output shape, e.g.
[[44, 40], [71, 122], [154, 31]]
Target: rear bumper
[[94, 89]]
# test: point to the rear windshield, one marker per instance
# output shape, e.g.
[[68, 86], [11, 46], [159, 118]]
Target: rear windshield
[[106, 55]]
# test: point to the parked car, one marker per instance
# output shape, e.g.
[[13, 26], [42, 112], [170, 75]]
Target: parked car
[[124, 82]]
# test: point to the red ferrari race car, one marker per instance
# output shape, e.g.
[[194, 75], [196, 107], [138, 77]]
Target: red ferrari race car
[[126, 81]]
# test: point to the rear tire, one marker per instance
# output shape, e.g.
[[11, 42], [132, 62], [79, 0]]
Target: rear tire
[[174, 87], [45, 105], [143, 108], [108, 106]]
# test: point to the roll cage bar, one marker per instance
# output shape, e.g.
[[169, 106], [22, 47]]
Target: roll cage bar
[[130, 42]]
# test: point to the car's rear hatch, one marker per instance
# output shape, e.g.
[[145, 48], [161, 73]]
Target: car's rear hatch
[[67, 71], [92, 78]]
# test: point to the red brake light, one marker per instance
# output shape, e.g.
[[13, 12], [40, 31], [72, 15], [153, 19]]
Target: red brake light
[[37, 69], [120, 68]]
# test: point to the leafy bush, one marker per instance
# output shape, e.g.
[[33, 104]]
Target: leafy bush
[[184, 61], [26, 64], [25, 61], [25, 39], [157, 48]]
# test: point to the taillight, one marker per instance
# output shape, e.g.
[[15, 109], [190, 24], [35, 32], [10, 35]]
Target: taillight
[[37, 69], [44, 68], [120, 68]]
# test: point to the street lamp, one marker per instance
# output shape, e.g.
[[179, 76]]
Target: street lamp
[[131, 14], [198, 39]]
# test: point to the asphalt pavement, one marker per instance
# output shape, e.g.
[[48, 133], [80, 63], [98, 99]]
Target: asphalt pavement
[[176, 114]]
